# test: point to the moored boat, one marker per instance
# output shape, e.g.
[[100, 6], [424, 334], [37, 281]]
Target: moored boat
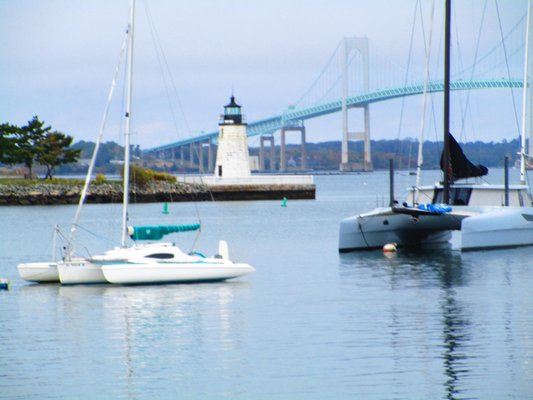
[[480, 212], [137, 263], [166, 263]]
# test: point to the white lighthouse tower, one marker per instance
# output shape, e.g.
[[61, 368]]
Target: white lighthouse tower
[[233, 159]]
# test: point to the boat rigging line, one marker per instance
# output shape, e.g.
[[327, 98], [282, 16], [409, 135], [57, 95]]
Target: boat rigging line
[[420, 158], [507, 63], [474, 64], [409, 55]]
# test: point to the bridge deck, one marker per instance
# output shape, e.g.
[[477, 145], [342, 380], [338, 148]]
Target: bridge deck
[[272, 124]]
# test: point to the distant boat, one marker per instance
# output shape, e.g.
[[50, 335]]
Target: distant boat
[[476, 215], [141, 263]]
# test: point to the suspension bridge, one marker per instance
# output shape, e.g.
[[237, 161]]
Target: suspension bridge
[[352, 79]]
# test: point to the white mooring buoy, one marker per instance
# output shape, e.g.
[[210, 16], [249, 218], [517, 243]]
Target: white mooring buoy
[[389, 248]]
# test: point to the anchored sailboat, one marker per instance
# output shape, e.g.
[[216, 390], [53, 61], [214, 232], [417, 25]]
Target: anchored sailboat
[[474, 213], [140, 263]]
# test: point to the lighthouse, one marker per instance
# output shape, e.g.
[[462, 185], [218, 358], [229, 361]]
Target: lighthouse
[[233, 159]]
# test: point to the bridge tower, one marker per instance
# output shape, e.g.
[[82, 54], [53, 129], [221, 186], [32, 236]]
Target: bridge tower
[[272, 155], [351, 45], [290, 126]]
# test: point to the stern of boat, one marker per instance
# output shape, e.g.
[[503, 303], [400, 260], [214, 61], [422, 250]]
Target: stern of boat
[[40, 272]]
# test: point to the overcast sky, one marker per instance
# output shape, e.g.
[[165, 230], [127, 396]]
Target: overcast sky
[[57, 59]]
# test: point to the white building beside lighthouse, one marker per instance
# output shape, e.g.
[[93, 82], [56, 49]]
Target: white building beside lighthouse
[[233, 158]]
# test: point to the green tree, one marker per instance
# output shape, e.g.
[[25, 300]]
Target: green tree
[[27, 142], [8, 137], [54, 150]]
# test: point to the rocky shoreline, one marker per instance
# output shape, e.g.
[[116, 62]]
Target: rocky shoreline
[[153, 192], [109, 192]]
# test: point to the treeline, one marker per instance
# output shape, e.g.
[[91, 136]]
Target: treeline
[[327, 155], [324, 156], [108, 160]]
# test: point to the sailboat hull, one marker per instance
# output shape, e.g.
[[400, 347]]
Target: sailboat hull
[[80, 272], [148, 273], [40, 272], [383, 225], [503, 227]]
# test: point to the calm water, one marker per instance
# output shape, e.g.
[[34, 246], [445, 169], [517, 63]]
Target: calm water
[[309, 324]]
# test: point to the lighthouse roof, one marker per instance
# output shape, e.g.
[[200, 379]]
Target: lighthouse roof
[[232, 103]]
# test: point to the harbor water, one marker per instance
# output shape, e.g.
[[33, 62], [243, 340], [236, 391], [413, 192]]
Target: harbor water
[[310, 323]]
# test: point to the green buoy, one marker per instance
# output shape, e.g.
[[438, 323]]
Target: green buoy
[[165, 208], [284, 202]]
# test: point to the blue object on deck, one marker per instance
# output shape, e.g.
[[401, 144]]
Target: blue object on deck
[[4, 284], [158, 231], [435, 208], [284, 202]]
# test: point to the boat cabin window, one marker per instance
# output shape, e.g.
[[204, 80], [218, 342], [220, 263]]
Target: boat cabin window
[[161, 256], [458, 196]]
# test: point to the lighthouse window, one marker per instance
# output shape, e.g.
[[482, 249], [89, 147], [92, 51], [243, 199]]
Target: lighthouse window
[[232, 111]]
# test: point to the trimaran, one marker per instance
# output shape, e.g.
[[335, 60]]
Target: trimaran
[[154, 262]]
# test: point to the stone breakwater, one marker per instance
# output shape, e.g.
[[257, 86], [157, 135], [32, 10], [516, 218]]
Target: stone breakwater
[[154, 192], [45, 193]]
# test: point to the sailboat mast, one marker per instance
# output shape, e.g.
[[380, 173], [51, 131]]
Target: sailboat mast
[[447, 36], [420, 159], [127, 128], [524, 101]]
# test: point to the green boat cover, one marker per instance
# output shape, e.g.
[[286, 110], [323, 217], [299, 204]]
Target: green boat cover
[[158, 231]]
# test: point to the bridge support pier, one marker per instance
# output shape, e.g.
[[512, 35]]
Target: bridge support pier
[[200, 157], [191, 155], [209, 146], [366, 165], [283, 152], [359, 45], [210, 158], [272, 155]]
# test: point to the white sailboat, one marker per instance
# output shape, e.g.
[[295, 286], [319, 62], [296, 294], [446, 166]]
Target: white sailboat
[[472, 216], [144, 263]]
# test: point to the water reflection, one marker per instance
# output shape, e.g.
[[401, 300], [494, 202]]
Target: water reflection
[[428, 270], [138, 335], [436, 267]]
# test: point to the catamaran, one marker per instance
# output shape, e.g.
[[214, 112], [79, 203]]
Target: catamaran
[[470, 216]]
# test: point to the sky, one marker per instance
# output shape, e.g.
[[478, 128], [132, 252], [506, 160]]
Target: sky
[[58, 57]]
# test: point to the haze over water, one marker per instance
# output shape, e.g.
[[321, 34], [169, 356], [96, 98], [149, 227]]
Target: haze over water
[[308, 324]]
